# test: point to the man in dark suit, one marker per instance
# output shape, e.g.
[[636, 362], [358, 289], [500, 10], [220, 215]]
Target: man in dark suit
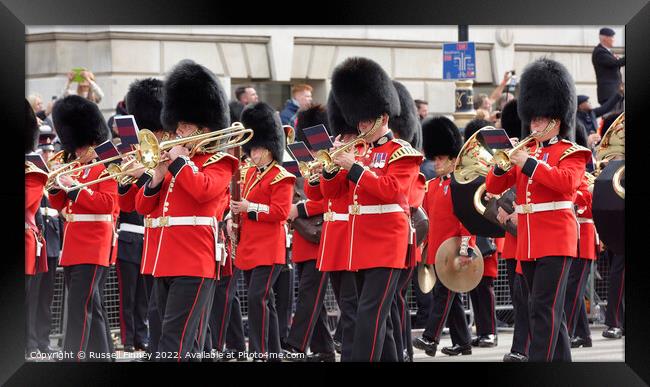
[[607, 66]]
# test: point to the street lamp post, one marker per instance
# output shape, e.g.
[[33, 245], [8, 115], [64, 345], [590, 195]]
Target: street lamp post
[[464, 95]]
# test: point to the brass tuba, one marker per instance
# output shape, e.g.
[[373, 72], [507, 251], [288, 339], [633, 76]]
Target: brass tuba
[[611, 147]]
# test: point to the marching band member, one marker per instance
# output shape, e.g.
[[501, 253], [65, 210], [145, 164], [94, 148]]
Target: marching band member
[[90, 214], [266, 200], [135, 254], [187, 193], [309, 324], [377, 186], [511, 123], [547, 181], [442, 142], [574, 303], [406, 126], [35, 249]]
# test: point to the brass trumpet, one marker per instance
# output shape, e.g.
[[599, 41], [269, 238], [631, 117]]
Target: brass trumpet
[[148, 152], [502, 158], [324, 158]]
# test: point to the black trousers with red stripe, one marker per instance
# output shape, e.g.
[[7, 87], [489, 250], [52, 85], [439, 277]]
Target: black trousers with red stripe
[[519, 297], [102, 341], [574, 303], [31, 307], [400, 317], [183, 304], [615, 313], [482, 297], [153, 316], [447, 307], [44, 292], [311, 316], [224, 294], [346, 286], [85, 316], [133, 303], [547, 279], [263, 331], [283, 290], [235, 339], [378, 286]]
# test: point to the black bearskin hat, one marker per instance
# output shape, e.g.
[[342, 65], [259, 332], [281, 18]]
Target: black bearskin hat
[[78, 123], [510, 119], [407, 124], [267, 129], [338, 125], [363, 91], [144, 101], [440, 137], [473, 126], [546, 89], [313, 116], [31, 130], [194, 95]]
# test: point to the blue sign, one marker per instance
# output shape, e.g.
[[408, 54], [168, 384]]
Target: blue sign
[[459, 60]]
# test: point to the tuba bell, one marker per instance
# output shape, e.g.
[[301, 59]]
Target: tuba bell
[[612, 147]]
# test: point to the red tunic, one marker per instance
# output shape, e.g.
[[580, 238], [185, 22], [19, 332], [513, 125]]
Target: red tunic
[[190, 188], [509, 246], [302, 249], [443, 223], [385, 177], [35, 180], [262, 239], [490, 266], [552, 174], [588, 236], [88, 242], [334, 236]]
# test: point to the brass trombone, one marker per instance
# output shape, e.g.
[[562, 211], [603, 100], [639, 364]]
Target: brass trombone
[[148, 152]]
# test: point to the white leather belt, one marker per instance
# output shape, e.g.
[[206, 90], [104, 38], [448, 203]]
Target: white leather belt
[[334, 216], [89, 218], [168, 221], [539, 207], [134, 228], [357, 209], [47, 211], [585, 220]]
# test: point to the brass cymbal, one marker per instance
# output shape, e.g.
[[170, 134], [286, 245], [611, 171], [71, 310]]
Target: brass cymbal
[[426, 277], [454, 276]]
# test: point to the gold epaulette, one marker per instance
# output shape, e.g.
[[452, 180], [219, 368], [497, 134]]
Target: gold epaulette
[[283, 174], [216, 157], [573, 149], [32, 168], [406, 150], [426, 185]]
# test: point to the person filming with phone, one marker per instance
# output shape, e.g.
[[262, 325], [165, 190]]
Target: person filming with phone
[[86, 86]]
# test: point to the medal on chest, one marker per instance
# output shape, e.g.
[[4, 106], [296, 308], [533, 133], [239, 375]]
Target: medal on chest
[[379, 160], [86, 173]]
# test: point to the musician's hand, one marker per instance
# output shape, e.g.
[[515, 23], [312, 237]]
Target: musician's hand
[[337, 142], [502, 215], [344, 159], [135, 169], [489, 196], [519, 158], [464, 260], [239, 207], [513, 218], [514, 141], [229, 229], [66, 181], [293, 212], [160, 171], [176, 151], [317, 170]]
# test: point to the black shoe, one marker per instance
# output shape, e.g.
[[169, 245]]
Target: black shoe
[[475, 341], [578, 342], [141, 346], [515, 357], [428, 346], [613, 333], [322, 357], [488, 341], [337, 346], [293, 354], [457, 350], [129, 348], [233, 354], [406, 357]]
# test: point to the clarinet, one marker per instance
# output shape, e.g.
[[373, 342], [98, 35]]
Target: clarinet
[[235, 192]]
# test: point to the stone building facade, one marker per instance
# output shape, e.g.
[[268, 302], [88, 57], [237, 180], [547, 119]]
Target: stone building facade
[[272, 58]]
